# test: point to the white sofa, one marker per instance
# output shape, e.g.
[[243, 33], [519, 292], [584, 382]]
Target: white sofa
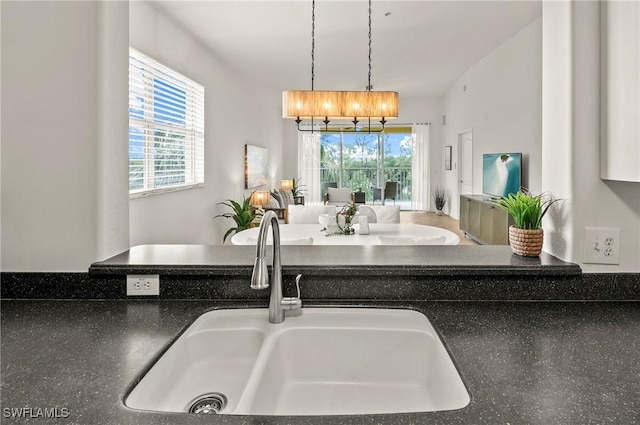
[[308, 214], [386, 213]]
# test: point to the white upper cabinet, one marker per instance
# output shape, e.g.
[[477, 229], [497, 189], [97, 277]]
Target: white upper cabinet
[[620, 108]]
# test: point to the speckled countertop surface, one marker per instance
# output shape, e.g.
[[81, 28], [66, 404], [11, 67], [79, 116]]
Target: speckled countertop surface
[[522, 362], [398, 260]]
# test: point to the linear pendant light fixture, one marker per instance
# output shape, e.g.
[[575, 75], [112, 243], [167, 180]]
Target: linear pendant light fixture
[[328, 105]]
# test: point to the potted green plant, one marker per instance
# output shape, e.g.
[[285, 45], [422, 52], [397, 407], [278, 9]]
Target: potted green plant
[[439, 198], [242, 214], [297, 191], [526, 234], [297, 188]]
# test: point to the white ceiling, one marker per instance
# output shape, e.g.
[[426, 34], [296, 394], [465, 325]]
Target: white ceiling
[[420, 49]]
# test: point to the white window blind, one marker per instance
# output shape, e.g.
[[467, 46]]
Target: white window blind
[[166, 128]]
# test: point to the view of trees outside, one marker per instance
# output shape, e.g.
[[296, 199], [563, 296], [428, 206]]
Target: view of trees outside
[[363, 161], [168, 160], [167, 154], [136, 157]]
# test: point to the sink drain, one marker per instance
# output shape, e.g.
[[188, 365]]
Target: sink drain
[[208, 404]]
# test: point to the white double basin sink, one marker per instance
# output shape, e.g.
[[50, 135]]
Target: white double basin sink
[[325, 361]]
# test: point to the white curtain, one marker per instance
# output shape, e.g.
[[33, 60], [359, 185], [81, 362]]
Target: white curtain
[[420, 182], [309, 166]]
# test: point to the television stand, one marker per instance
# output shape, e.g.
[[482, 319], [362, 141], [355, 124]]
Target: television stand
[[484, 221]]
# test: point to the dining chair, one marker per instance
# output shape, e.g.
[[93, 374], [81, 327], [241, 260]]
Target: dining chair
[[338, 196], [390, 192], [326, 186]]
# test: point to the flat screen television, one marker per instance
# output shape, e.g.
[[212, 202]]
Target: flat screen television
[[501, 173]]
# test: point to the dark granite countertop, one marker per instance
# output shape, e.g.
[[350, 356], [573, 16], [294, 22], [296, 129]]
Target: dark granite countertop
[[396, 260], [522, 362]]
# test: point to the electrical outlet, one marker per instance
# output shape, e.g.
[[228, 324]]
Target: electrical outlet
[[601, 245], [142, 285]]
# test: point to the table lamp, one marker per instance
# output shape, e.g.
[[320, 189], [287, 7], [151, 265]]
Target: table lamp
[[286, 184], [260, 198]]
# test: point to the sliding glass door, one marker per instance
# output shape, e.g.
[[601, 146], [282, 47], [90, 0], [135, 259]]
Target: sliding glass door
[[363, 161]]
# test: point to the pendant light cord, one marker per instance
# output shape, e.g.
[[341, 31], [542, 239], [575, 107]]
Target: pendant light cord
[[338, 103], [313, 45], [369, 79], [313, 39]]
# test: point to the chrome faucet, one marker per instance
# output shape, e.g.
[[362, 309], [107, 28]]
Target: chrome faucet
[[260, 275]]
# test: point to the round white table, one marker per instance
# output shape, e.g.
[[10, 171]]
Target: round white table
[[379, 234]]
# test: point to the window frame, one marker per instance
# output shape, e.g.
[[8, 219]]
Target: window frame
[[156, 80]]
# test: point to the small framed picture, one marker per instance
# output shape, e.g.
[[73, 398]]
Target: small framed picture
[[255, 166], [447, 157]]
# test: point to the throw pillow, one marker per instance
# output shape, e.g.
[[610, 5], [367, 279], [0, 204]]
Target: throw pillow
[[287, 197], [273, 202], [278, 198], [387, 213], [342, 194]]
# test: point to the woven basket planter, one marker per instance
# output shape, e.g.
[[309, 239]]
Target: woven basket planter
[[525, 242]]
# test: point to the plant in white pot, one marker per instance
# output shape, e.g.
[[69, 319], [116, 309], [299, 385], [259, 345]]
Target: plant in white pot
[[439, 199], [526, 234]]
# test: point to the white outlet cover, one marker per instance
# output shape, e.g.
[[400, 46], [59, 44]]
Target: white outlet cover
[[143, 285], [601, 245]]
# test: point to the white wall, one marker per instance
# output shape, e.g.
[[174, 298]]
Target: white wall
[[236, 112], [571, 141], [502, 103], [65, 200], [113, 132], [290, 150], [53, 201], [557, 127]]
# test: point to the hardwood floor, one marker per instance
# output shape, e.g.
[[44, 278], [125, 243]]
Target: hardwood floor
[[431, 219]]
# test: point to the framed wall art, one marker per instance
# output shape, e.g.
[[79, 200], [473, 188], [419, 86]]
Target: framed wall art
[[255, 166]]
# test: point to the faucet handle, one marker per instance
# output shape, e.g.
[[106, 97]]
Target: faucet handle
[[298, 283], [293, 303]]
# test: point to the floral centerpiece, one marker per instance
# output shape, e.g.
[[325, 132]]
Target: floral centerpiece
[[344, 221], [348, 212]]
